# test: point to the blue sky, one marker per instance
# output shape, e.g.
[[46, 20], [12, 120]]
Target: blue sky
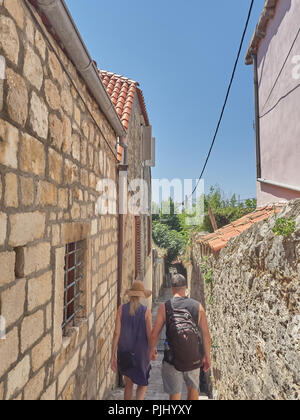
[[182, 53]]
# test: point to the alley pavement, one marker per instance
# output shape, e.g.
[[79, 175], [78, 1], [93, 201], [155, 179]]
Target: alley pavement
[[155, 389]]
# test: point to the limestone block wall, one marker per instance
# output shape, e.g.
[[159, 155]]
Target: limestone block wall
[[128, 253], [53, 151], [195, 279], [136, 171], [158, 275], [253, 306]]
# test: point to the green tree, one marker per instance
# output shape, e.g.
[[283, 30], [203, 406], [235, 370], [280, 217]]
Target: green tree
[[169, 239], [226, 210], [172, 232], [169, 215]]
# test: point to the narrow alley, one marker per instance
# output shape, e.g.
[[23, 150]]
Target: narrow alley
[[111, 183]]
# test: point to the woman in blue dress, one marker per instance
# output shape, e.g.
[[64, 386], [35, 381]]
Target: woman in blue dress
[[131, 341]]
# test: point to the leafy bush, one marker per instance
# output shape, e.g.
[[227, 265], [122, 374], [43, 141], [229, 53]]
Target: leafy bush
[[170, 228], [225, 210], [284, 227], [169, 239], [225, 216], [206, 271]]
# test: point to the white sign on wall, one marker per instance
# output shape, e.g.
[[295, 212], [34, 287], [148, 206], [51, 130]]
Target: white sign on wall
[[2, 67], [2, 328], [296, 68]]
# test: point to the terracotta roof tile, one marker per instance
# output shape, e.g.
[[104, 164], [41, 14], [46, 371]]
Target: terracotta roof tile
[[218, 240], [240, 222], [262, 217], [126, 124], [211, 236], [244, 227], [217, 245], [106, 81], [120, 101], [122, 91], [229, 234]]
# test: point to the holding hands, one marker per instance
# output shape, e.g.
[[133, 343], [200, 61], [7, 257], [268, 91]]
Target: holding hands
[[153, 355], [114, 364], [206, 364]]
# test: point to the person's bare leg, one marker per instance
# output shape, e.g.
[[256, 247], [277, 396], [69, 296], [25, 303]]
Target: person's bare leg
[[193, 394], [128, 391], [141, 392], [175, 397]]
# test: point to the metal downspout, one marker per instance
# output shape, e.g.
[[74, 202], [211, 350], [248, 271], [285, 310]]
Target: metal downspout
[[120, 276], [121, 168], [257, 118], [120, 258]]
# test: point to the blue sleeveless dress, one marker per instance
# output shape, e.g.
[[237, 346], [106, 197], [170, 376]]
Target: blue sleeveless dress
[[133, 338]]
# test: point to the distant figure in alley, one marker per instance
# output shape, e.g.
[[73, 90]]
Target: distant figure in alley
[[130, 348], [188, 343]]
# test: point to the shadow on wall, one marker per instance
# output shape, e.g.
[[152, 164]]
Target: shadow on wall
[[280, 100], [282, 9], [197, 285], [279, 192]]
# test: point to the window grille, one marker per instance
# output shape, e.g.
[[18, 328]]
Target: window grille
[[138, 256], [149, 236], [74, 261]]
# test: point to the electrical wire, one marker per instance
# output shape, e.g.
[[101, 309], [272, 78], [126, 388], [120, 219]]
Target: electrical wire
[[226, 98], [280, 72]]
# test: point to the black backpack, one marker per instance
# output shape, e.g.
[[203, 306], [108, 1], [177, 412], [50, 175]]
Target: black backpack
[[184, 340]]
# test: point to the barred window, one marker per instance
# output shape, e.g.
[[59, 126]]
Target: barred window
[[74, 261]]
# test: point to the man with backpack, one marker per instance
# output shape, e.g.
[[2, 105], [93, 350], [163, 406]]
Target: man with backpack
[[187, 346]]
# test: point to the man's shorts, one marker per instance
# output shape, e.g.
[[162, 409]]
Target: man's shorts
[[173, 379]]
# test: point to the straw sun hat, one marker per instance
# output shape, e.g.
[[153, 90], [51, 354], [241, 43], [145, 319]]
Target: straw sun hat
[[137, 289]]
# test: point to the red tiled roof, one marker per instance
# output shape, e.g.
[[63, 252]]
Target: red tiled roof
[[121, 91], [218, 240]]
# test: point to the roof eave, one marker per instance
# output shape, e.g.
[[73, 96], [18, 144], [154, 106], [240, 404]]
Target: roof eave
[[138, 92], [143, 106], [267, 14]]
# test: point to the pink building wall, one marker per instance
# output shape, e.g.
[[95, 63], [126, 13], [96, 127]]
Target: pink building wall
[[280, 114]]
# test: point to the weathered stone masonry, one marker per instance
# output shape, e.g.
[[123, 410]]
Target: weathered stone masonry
[[52, 155], [136, 171], [253, 310]]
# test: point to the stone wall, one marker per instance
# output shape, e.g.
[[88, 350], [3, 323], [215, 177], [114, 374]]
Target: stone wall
[[52, 154], [136, 171], [159, 272], [195, 280], [253, 306], [128, 272]]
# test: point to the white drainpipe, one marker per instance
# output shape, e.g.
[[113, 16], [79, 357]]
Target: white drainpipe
[[64, 26]]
